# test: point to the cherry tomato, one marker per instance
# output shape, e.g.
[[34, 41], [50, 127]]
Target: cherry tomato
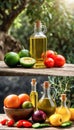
[[27, 124], [19, 124], [49, 62], [50, 54], [10, 123], [4, 121], [59, 60]]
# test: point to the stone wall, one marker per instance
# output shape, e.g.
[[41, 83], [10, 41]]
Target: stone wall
[[17, 85]]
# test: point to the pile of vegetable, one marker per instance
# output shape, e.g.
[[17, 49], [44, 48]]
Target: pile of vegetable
[[52, 59]]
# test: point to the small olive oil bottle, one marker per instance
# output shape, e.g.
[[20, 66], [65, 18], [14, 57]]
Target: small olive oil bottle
[[63, 109], [34, 94]]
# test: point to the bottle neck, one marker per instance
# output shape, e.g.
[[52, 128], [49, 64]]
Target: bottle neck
[[38, 26], [46, 92], [37, 29], [33, 86], [63, 100], [63, 103]]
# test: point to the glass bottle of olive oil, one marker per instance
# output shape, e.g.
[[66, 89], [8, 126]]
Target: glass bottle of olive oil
[[34, 94], [63, 109], [46, 103], [38, 44]]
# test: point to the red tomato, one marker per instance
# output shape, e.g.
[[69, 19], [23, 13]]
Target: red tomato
[[27, 124], [24, 97], [10, 123], [19, 124], [50, 54], [49, 62], [4, 121], [59, 61]]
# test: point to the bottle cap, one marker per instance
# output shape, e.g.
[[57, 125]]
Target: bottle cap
[[33, 81], [38, 23], [63, 96], [46, 84]]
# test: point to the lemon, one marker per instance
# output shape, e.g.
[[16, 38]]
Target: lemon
[[27, 62], [55, 119], [27, 104], [24, 53], [11, 59], [72, 113]]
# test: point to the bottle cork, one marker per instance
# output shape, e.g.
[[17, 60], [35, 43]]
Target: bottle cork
[[46, 84], [38, 23], [63, 97], [33, 81]]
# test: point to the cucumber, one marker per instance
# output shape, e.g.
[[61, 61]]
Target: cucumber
[[40, 125], [36, 125], [66, 124], [44, 125]]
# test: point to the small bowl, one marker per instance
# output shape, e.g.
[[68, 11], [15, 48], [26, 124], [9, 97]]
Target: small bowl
[[18, 114]]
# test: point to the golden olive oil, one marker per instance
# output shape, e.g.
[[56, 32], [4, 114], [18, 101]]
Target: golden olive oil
[[38, 45], [47, 106], [34, 94], [34, 99], [63, 109], [46, 103]]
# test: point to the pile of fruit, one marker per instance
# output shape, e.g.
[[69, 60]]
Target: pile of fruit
[[23, 58], [18, 101], [38, 118]]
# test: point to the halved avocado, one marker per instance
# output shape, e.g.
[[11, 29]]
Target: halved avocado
[[27, 62]]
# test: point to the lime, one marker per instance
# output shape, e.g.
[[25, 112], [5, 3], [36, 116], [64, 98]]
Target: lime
[[24, 53], [11, 59], [27, 61], [27, 104]]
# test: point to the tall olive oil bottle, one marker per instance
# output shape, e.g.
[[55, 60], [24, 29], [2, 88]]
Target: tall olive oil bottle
[[38, 44], [34, 94]]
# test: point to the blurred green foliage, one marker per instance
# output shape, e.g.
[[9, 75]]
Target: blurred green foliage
[[60, 85], [6, 7], [58, 19]]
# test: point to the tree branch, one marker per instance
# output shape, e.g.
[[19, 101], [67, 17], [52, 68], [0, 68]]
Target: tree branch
[[8, 20]]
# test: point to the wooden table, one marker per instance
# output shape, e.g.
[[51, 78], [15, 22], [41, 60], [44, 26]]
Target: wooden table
[[67, 70], [2, 116]]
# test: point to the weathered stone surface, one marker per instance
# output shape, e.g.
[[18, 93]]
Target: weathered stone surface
[[8, 43]]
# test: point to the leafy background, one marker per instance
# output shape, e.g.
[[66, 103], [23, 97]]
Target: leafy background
[[59, 21]]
